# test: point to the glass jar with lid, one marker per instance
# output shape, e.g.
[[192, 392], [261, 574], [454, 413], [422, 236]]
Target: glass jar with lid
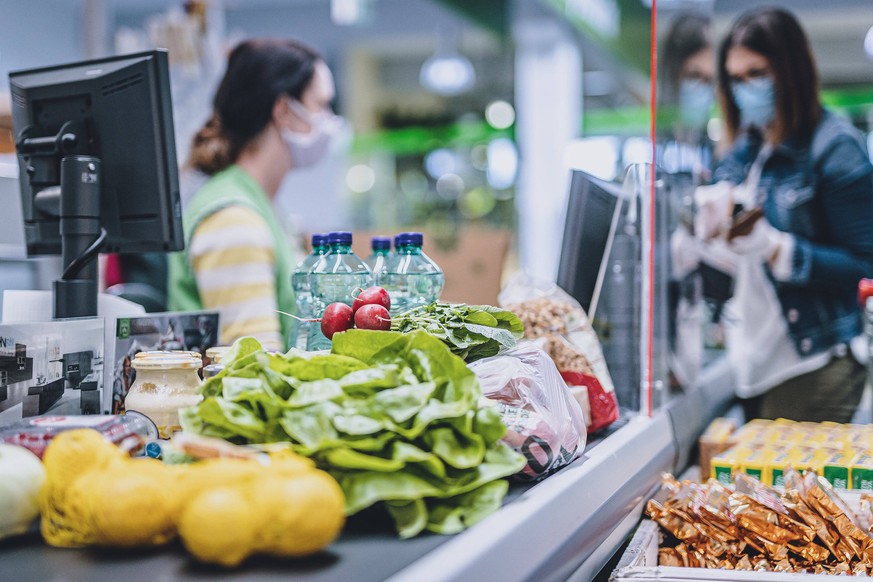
[[216, 353], [165, 383], [214, 356]]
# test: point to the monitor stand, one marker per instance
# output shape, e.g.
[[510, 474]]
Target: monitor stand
[[75, 293]]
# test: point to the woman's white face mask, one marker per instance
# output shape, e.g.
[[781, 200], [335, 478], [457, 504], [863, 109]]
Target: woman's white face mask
[[307, 149]]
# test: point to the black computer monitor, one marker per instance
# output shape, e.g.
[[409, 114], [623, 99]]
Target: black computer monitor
[[591, 218], [96, 150], [600, 268]]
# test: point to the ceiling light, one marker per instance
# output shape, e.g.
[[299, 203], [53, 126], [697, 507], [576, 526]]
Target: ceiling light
[[868, 43], [500, 114], [447, 72], [351, 12], [360, 178]]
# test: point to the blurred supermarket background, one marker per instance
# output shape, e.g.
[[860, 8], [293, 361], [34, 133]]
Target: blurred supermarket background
[[466, 115]]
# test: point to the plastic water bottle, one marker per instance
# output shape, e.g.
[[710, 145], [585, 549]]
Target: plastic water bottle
[[334, 278], [411, 278], [380, 254], [300, 284]]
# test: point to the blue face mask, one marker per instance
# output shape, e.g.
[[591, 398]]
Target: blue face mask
[[695, 103], [756, 99]]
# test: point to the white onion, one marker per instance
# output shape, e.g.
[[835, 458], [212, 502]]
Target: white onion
[[21, 478]]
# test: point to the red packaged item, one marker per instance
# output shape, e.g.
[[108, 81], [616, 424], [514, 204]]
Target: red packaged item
[[603, 407], [558, 324], [543, 421], [129, 431], [865, 291]]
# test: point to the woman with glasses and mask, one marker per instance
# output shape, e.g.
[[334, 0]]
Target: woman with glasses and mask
[[271, 115], [687, 93], [793, 208]]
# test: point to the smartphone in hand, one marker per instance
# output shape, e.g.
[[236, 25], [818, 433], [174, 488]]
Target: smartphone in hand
[[744, 221]]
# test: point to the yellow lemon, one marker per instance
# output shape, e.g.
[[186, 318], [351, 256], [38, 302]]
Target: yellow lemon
[[288, 463], [305, 512], [192, 480], [218, 526], [75, 452], [133, 506]]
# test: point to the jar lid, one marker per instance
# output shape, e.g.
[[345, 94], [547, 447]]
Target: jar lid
[[160, 360], [216, 353]]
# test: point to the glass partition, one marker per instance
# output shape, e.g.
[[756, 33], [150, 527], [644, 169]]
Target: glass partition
[[692, 139], [687, 313]]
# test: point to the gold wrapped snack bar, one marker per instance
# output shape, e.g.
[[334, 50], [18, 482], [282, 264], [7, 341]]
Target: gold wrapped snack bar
[[744, 563], [762, 565], [822, 497], [668, 557], [807, 528]]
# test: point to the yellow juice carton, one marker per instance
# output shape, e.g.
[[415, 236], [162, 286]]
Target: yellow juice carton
[[835, 469], [757, 464], [800, 458], [718, 437], [753, 430], [809, 459], [862, 472], [724, 464]]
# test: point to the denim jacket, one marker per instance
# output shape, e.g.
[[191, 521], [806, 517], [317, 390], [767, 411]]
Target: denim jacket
[[820, 191]]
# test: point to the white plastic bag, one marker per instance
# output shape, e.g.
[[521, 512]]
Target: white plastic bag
[[544, 423], [556, 320]]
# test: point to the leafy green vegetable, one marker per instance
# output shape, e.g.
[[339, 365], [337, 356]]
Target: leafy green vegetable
[[392, 416], [364, 488], [448, 516], [470, 331], [459, 450], [410, 516]]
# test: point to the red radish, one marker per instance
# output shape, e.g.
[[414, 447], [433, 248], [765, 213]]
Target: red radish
[[865, 290], [337, 317], [372, 296], [373, 316]]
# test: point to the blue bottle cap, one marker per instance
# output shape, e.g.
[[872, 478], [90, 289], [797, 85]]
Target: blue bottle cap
[[409, 238], [319, 240], [340, 238], [380, 243], [154, 450]]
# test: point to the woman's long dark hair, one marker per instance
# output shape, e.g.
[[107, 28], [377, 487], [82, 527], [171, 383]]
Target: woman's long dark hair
[[689, 34], [775, 34], [258, 72]]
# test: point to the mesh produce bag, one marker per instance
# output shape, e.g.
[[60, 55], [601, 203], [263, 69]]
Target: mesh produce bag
[[561, 327]]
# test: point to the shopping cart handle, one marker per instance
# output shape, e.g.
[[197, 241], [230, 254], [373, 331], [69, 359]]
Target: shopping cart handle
[[865, 291]]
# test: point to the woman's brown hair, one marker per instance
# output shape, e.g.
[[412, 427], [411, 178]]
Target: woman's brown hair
[[775, 34], [258, 72], [689, 34]]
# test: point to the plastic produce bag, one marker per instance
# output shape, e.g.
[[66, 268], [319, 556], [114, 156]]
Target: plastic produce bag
[[544, 423], [130, 431], [561, 327]]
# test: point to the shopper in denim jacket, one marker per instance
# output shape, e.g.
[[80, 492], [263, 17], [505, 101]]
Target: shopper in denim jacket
[[797, 271]]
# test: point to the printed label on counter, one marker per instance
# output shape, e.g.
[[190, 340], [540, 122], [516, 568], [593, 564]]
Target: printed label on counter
[[83, 421]]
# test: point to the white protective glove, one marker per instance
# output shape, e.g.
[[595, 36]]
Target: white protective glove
[[685, 252], [714, 208], [769, 244]]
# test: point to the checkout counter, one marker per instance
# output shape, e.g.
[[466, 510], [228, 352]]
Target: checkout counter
[[566, 527]]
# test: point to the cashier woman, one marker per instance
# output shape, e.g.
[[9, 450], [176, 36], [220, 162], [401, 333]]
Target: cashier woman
[[794, 310], [271, 115]]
